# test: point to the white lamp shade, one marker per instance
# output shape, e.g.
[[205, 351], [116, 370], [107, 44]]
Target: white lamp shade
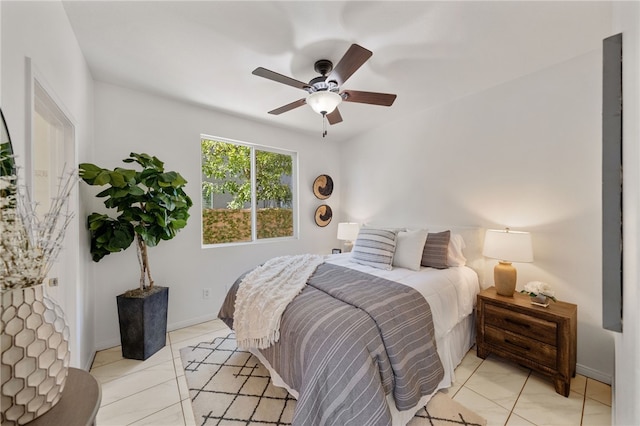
[[324, 102], [507, 245], [348, 231]]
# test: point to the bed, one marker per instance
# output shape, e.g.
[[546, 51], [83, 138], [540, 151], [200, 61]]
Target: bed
[[358, 345]]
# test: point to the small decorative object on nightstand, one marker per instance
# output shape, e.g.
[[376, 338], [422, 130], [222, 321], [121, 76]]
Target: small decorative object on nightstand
[[543, 339], [539, 292], [507, 246], [540, 300]]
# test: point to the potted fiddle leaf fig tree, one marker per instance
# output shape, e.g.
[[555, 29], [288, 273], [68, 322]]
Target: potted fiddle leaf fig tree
[[150, 206]]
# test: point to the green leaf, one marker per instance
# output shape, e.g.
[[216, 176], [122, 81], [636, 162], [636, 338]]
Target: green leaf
[[136, 191], [104, 193], [103, 178], [117, 179], [146, 217], [161, 219], [128, 174], [168, 177], [88, 172], [179, 224]]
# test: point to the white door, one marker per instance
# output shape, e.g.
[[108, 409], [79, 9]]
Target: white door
[[52, 158]]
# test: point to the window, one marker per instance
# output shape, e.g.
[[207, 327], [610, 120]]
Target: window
[[248, 192]]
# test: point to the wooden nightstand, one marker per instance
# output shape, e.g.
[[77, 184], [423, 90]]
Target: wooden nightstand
[[543, 339]]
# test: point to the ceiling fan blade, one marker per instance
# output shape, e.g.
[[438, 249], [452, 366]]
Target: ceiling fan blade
[[272, 75], [350, 62], [383, 99], [288, 107], [334, 117]]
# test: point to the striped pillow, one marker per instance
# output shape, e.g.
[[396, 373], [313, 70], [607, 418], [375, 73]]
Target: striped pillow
[[375, 247], [436, 250]]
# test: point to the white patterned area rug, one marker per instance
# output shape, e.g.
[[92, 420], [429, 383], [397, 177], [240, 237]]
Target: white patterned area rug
[[229, 386]]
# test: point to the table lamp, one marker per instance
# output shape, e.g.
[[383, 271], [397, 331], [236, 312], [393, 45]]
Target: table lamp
[[507, 246], [348, 232]]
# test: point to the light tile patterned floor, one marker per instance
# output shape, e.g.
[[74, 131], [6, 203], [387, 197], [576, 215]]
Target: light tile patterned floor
[[154, 392]]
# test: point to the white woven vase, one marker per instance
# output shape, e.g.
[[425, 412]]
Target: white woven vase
[[35, 354]]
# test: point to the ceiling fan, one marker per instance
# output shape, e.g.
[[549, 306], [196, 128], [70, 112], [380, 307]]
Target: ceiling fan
[[324, 92]]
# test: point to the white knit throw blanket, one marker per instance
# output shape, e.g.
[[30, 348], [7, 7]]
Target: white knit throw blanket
[[263, 295]]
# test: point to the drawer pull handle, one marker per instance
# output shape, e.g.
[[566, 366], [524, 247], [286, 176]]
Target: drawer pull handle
[[527, 348], [519, 324]]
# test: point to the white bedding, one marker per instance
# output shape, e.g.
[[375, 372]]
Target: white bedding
[[451, 292]]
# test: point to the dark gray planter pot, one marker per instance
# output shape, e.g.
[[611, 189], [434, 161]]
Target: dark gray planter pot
[[143, 323]]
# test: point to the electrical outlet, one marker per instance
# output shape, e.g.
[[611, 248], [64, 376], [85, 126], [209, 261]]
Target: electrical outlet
[[53, 282], [206, 293]]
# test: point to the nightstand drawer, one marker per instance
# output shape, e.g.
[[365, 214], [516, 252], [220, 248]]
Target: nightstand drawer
[[521, 324], [524, 346]]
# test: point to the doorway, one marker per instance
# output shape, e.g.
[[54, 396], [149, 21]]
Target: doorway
[[50, 158]]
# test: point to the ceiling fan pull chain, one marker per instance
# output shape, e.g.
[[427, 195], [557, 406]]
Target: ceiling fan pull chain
[[324, 124]]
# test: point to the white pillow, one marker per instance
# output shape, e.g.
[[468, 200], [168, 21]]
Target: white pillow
[[374, 247], [409, 247], [454, 251]]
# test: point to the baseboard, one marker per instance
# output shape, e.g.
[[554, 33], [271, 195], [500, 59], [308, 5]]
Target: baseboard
[[92, 358], [190, 322], [594, 374], [170, 327], [107, 344]]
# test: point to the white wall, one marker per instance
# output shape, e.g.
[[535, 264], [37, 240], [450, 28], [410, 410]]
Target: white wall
[[129, 121], [627, 375], [524, 154], [41, 31]]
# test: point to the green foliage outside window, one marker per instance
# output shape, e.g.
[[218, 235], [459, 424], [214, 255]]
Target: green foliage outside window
[[229, 226], [226, 187]]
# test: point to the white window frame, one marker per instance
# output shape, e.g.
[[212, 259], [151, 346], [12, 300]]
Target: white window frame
[[254, 210]]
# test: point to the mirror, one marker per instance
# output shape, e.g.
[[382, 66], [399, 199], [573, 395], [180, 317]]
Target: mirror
[[7, 164]]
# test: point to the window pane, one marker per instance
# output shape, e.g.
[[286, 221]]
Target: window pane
[[226, 192], [247, 192], [274, 177]]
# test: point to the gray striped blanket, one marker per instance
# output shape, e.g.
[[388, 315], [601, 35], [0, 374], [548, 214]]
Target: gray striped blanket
[[349, 339]]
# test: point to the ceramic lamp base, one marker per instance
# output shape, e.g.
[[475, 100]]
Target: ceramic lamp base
[[504, 276]]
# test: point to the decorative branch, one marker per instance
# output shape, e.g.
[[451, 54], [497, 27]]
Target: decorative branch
[[31, 243]]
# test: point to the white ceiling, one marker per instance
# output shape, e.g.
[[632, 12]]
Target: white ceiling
[[428, 53]]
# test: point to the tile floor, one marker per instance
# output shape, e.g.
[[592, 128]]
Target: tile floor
[[154, 392]]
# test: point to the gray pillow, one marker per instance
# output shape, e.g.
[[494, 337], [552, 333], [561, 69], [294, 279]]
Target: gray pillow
[[374, 247], [435, 250]]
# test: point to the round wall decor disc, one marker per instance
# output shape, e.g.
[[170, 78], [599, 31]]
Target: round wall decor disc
[[323, 215], [323, 187]]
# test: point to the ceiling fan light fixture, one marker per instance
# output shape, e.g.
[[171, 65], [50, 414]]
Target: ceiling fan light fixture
[[323, 102]]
